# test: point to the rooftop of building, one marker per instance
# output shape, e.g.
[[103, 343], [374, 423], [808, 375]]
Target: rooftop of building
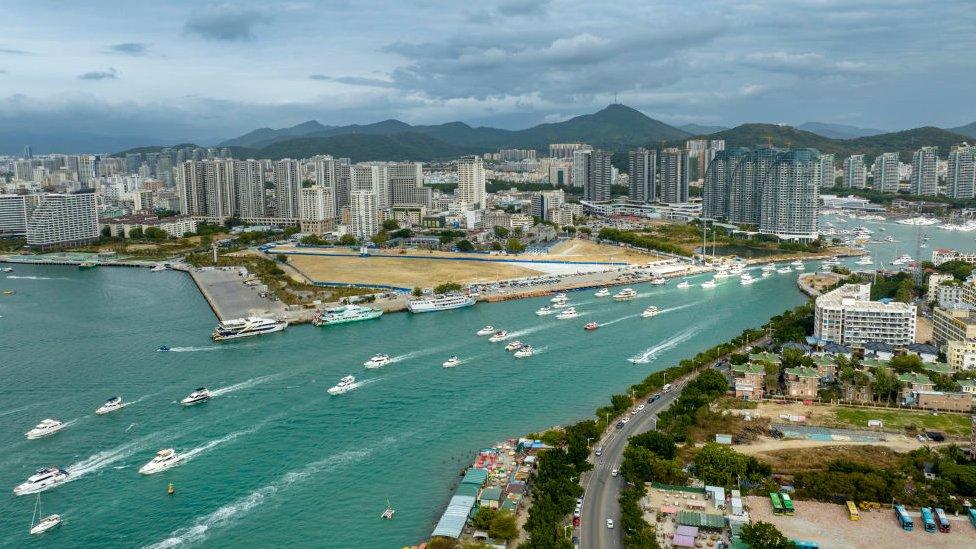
[[858, 295], [748, 368], [915, 378], [802, 371], [771, 358]]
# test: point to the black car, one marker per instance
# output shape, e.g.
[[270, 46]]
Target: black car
[[654, 398], [620, 425]]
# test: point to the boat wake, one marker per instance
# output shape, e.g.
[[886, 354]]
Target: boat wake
[[190, 454], [652, 352], [531, 330], [15, 410], [194, 349], [678, 308], [31, 277], [365, 382], [105, 458], [621, 319], [238, 509], [242, 385]]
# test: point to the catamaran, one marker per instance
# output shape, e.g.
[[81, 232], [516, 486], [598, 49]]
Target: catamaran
[[246, 327]]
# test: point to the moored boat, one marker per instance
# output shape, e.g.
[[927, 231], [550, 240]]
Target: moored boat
[[247, 327], [443, 302], [345, 314]]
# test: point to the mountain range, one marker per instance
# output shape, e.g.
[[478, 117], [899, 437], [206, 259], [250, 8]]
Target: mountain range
[[837, 131]]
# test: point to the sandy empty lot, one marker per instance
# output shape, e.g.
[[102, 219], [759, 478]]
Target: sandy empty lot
[[584, 250]]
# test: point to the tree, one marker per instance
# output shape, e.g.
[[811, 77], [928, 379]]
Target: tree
[[417, 292], [763, 535], [885, 385], [503, 526], [442, 543], [586, 230], [447, 287], [229, 222], [107, 231], [906, 363], [483, 518], [719, 465], [311, 240], [657, 442], [514, 246], [281, 258], [381, 238], [496, 246], [501, 232], [465, 246], [156, 234], [391, 225], [906, 291], [135, 233], [347, 240]]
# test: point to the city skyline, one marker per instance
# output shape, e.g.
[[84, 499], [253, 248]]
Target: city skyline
[[211, 73]]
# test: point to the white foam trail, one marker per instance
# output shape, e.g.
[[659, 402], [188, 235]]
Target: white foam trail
[[234, 511], [15, 410], [107, 457], [652, 352], [242, 385], [193, 349], [365, 382], [531, 330], [30, 277], [678, 308], [190, 454], [131, 425], [621, 319]]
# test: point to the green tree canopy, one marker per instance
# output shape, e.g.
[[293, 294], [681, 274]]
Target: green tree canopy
[[347, 240], [465, 246], [514, 246], [391, 225], [763, 535]]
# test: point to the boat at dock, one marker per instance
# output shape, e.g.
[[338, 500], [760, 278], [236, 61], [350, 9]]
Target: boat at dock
[[345, 314], [346, 384], [602, 292], [784, 270], [158, 268], [442, 302], [87, 265], [866, 260], [625, 294], [247, 327]]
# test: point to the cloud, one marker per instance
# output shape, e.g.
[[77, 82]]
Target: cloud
[[129, 48], [523, 7], [13, 51], [353, 80], [804, 63], [110, 74], [225, 23]]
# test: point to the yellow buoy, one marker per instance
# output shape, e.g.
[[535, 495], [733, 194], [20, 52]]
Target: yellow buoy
[[170, 490]]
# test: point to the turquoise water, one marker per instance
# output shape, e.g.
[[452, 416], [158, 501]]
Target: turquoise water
[[274, 459]]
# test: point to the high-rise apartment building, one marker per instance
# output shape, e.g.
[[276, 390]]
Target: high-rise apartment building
[[855, 173], [924, 180], [826, 171], [372, 177], [406, 184], [543, 203], [63, 219], [87, 170], [471, 182], [565, 150], [561, 174], [718, 182], [581, 166], [288, 183], [643, 175], [848, 316], [961, 172], [13, 215], [249, 182], [363, 215], [886, 172], [674, 176], [599, 176]]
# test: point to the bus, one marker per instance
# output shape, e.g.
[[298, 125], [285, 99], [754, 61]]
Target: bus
[[972, 516], [927, 520], [903, 518], [942, 520], [803, 544], [787, 504], [852, 511], [776, 503]]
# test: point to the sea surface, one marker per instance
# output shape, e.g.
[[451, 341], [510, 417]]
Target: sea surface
[[272, 459]]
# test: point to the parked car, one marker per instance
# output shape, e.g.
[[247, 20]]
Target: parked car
[[599, 451], [614, 472], [610, 523]]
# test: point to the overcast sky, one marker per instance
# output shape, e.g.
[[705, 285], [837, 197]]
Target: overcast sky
[[212, 70]]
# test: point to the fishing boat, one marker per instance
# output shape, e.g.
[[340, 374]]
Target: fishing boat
[[45, 523]]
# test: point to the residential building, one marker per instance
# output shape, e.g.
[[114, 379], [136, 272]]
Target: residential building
[[924, 180], [249, 180], [406, 183], [961, 354], [561, 174], [961, 172], [176, 227], [802, 382], [885, 172], [516, 155], [643, 175], [581, 167], [318, 214], [545, 202], [789, 199], [288, 183], [943, 255], [952, 325], [520, 221], [950, 296], [599, 176], [674, 176], [749, 381], [826, 171], [63, 219], [718, 182], [938, 400], [566, 150], [87, 170], [364, 220], [855, 174], [471, 182], [13, 215], [848, 316]]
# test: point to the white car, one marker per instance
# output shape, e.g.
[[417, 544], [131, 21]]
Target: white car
[[640, 408], [610, 523], [614, 472], [577, 512]]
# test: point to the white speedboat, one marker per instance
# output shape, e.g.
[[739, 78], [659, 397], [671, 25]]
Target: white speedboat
[[514, 346], [684, 284], [722, 273], [345, 385], [524, 352], [543, 311], [377, 361], [163, 460], [708, 284], [43, 479], [784, 270], [45, 428], [796, 263], [625, 294], [559, 305], [487, 330], [568, 314], [158, 268], [865, 260], [111, 405], [45, 523], [202, 394], [602, 292], [768, 268], [499, 336], [558, 297], [736, 269], [903, 259], [7, 270], [767, 274], [747, 279], [451, 362], [659, 281], [649, 312], [247, 327]]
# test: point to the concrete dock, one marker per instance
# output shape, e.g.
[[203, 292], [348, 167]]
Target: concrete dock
[[229, 297]]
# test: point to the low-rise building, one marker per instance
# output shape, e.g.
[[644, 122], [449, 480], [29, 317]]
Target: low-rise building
[[938, 400], [914, 382], [968, 386], [848, 316], [944, 255], [749, 381], [802, 382], [177, 226]]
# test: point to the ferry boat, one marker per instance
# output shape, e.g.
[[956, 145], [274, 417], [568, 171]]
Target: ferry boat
[[499, 336], [708, 284], [649, 312], [247, 327], [559, 297], [524, 352], [602, 292], [514, 346], [163, 460], [45, 523], [347, 313], [45, 428], [625, 294], [590, 326], [684, 284], [568, 314], [345, 385], [111, 405], [42, 479], [451, 362], [487, 330], [202, 394], [866, 260], [443, 302], [377, 361], [659, 281], [543, 311]]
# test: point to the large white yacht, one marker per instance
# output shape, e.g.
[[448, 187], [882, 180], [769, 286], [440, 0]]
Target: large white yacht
[[439, 303], [111, 405], [568, 314], [345, 385], [865, 260], [202, 394], [514, 346], [499, 336], [164, 459], [903, 259], [543, 311], [45, 428], [524, 352], [487, 330], [347, 313], [43, 479], [625, 294], [377, 361], [659, 281], [602, 292], [246, 327]]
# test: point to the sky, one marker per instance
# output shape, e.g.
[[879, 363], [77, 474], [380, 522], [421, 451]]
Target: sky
[[211, 70]]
